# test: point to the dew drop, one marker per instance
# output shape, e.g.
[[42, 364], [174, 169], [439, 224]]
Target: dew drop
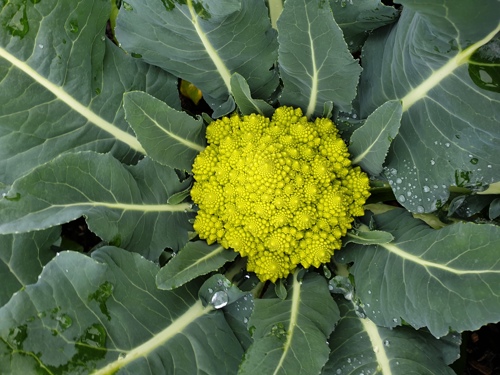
[[426, 189], [398, 181], [219, 299], [387, 343], [402, 198], [40, 46], [420, 209], [447, 144], [433, 162], [369, 292]]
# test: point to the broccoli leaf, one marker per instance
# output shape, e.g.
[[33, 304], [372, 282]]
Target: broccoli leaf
[[283, 328], [22, 257], [370, 143], [315, 64], [449, 131], [111, 317], [204, 42], [357, 18], [121, 203], [439, 279], [243, 98], [169, 137], [61, 85], [358, 345], [194, 259]]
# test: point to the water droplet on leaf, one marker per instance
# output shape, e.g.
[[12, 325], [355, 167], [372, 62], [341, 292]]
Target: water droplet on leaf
[[219, 299]]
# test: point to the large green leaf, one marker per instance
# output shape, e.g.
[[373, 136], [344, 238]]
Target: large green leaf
[[357, 18], [370, 143], [169, 137], [315, 64], [126, 206], [104, 314], [359, 346], [243, 98], [204, 42], [439, 279], [195, 259], [22, 257], [449, 133], [290, 335], [61, 84]]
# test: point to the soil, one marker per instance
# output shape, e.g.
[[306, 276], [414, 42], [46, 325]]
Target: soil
[[482, 351]]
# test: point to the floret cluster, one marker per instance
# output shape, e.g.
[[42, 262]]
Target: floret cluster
[[279, 191]]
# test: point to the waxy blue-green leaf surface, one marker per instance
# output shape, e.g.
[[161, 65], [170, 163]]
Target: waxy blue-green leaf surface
[[359, 346], [358, 18], [315, 64], [125, 206], [169, 137], [193, 260], [290, 335], [449, 133], [441, 279], [22, 257], [204, 42], [104, 314], [243, 98], [370, 143], [61, 84]]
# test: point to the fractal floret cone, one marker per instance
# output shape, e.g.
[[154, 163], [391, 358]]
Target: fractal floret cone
[[279, 191]]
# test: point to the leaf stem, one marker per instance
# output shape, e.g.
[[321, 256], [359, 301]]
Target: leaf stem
[[275, 9], [235, 268], [341, 269], [177, 326]]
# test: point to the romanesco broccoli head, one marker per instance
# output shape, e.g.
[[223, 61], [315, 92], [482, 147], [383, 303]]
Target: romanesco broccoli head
[[279, 191]]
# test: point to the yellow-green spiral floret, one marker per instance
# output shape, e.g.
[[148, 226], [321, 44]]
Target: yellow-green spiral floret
[[279, 191]]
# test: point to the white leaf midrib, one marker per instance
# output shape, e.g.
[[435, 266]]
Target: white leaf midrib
[[211, 51], [447, 69], [71, 102]]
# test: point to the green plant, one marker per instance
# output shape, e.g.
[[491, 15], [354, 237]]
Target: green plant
[[92, 129]]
